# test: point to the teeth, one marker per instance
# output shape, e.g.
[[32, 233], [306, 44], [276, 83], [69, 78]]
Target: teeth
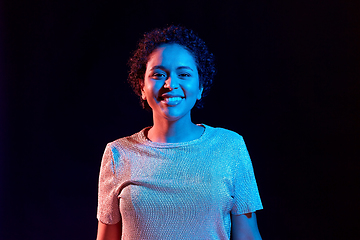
[[172, 99]]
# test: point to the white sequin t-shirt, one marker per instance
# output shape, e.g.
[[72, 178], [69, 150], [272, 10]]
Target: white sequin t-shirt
[[183, 190]]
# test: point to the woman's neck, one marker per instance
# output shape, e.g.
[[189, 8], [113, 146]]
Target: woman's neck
[[182, 130]]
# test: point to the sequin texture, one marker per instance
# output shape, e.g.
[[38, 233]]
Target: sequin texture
[[183, 190]]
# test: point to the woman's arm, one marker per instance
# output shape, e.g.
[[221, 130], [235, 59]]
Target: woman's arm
[[109, 231], [244, 227]]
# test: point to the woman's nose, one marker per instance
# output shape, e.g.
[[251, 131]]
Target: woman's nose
[[171, 83]]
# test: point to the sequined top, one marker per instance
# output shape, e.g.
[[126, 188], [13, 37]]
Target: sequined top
[[183, 190]]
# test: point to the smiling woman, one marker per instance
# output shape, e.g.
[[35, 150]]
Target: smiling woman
[[172, 35], [171, 88], [176, 179]]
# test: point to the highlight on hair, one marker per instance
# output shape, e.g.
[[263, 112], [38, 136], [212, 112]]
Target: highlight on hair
[[171, 34]]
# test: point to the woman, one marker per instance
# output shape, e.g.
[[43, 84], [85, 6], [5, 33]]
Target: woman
[[176, 179]]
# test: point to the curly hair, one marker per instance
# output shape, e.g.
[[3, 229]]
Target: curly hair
[[173, 34]]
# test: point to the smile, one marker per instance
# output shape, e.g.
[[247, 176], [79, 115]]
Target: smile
[[172, 100]]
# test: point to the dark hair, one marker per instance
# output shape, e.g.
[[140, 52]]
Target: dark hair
[[172, 34]]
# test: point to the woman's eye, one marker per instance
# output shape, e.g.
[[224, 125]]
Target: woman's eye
[[158, 75], [184, 75]]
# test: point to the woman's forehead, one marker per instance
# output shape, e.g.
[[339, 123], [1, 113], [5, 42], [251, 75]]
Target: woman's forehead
[[170, 55]]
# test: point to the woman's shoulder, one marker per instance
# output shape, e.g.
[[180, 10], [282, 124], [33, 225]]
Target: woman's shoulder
[[226, 141], [133, 139], [224, 133]]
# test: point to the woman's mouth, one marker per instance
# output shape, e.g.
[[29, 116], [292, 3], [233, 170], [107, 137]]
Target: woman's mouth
[[171, 101]]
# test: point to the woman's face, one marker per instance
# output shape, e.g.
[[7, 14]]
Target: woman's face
[[171, 85]]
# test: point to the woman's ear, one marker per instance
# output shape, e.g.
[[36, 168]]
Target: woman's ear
[[143, 96], [200, 93]]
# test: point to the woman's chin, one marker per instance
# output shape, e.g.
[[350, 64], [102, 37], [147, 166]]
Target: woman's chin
[[173, 114]]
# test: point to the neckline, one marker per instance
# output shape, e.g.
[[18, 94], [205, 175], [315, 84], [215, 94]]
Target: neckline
[[148, 142]]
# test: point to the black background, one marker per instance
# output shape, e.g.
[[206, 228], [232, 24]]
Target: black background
[[288, 81]]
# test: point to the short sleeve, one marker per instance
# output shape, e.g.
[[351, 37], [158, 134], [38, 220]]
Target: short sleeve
[[108, 211], [246, 193]]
